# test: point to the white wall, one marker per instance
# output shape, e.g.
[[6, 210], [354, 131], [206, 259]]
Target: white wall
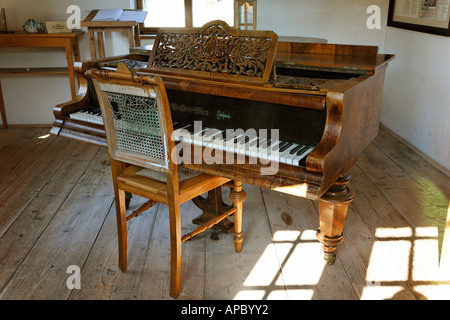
[[416, 102], [338, 21]]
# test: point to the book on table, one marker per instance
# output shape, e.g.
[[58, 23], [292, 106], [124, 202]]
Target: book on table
[[120, 15]]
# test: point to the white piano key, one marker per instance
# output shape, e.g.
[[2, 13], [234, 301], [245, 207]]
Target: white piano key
[[218, 144], [231, 142], [182, 133], [286, 157], [87, 117], [211, 135], [254, 149], [245, 147], [197, 137], [272, 150]]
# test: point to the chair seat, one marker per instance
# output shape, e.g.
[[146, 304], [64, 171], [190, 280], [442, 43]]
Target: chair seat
[[183, 174], [143, 182]]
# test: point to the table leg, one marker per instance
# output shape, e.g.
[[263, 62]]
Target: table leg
[[70, 61], [2, 109], [92, 49], [101, 45]]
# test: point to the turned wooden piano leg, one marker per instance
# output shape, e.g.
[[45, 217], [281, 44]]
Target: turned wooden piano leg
[[238, 196], [333, 206]]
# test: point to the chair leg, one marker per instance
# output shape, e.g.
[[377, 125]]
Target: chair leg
[[238, 196], [121, 229], [175, 249]]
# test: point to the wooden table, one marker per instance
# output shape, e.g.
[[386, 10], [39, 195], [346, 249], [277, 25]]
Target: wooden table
[[68, 41], [99, 27]]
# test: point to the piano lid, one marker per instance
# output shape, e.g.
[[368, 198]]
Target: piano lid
[[330, 57]]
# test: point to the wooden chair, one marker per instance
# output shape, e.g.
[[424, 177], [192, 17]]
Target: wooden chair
[[138, 127]]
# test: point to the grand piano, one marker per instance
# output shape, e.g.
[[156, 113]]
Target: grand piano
[[319, 102]]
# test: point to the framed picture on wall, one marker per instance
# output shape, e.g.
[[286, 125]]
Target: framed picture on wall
[[429, 16]]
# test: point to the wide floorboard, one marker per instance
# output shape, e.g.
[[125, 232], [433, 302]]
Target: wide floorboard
[[57, 215]]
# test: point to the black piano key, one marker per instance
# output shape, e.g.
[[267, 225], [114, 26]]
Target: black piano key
[[210, 132], [230, 137], [189, 128], [238, 138], [245, 140], [303, 149], [302, 161], [218, 135], [297, 148], [285, 147], [95, 111], [278, 146], [178, 125], [262, 142], [254, 142]]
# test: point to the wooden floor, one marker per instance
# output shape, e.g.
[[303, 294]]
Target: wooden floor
[[57, 212]]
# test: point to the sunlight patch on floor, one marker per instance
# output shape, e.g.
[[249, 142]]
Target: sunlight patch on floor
[[299, 276], [403, 261]]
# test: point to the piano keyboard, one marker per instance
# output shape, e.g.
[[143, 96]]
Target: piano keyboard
[[90, 115], [262, 148], [258, 147]]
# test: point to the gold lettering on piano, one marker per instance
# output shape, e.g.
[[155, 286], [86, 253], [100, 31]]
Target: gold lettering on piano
[[193, 110]]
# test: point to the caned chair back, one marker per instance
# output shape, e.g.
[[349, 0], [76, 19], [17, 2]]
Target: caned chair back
[[137, 119]]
